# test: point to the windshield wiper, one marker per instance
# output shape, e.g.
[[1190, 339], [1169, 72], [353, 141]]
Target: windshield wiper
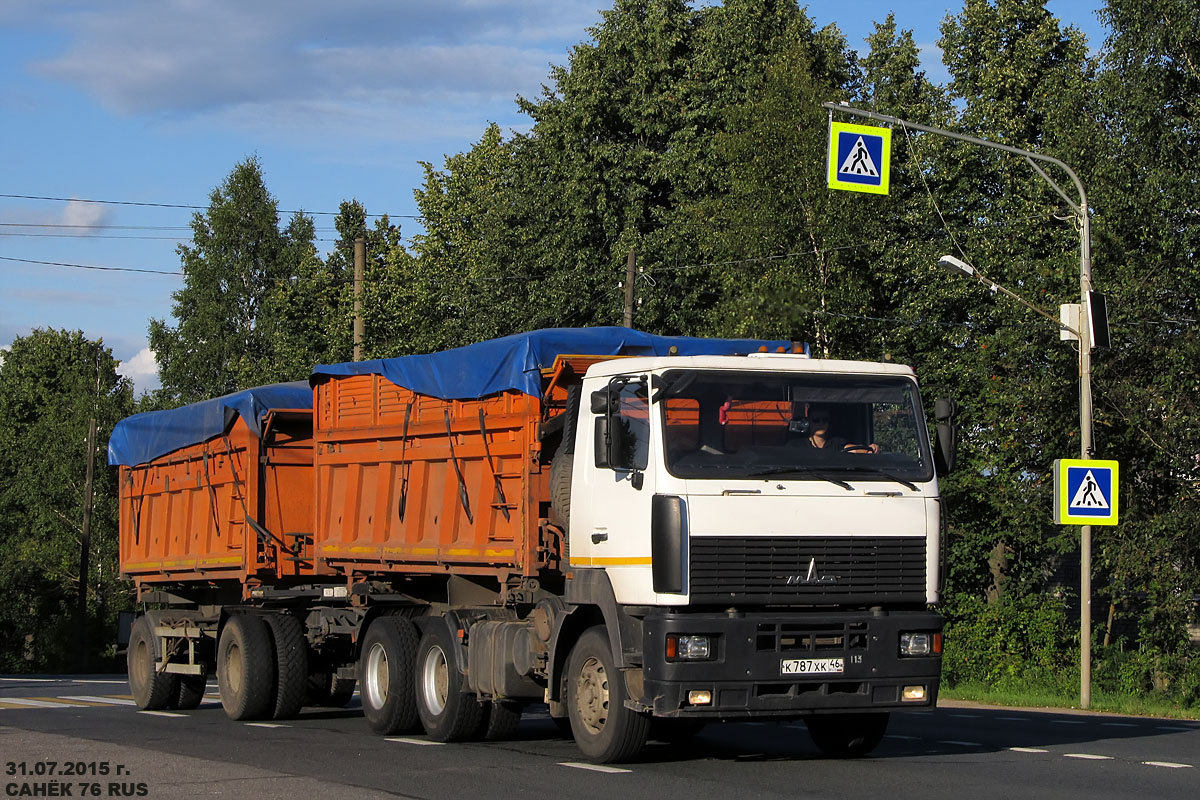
[[884, 473], [794, 470]]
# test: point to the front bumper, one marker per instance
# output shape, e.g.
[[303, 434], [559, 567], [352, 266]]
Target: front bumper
[[745, 676]]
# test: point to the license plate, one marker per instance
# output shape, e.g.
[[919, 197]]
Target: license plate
[[812, 666]]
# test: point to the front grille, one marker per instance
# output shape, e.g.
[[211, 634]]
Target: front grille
[[807, 571]]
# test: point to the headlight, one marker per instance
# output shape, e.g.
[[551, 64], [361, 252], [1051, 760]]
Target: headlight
[[689, 648], [920, 644]]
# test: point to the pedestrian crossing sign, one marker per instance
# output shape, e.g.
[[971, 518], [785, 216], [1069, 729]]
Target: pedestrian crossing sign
[[859, 157], [1085, 492]]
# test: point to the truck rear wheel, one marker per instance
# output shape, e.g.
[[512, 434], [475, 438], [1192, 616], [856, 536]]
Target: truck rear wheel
[[499, 720], [447, 712], [245, 667], [847, 735], [386, 669], [604, 729], [291, 664], [190, 692], [151, 689]]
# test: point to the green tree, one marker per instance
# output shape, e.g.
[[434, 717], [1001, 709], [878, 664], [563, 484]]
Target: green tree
[[52, 383], [238, 256]]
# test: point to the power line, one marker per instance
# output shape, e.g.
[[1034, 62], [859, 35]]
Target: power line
[[176, 205], [88, 266]]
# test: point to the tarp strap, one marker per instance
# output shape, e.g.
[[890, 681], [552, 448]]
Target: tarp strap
[[462, 483], [502, 503], [404, 465]]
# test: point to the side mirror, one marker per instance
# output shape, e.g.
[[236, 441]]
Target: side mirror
[[601, 401], [603, 440], [945, 455]]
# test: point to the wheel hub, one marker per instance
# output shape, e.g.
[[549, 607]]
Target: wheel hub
[[592, 697]]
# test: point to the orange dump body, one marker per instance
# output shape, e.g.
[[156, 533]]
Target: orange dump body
[[232, 508], [415, 484]]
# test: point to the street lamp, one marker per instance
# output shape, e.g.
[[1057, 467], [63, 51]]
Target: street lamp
[[958, 267]]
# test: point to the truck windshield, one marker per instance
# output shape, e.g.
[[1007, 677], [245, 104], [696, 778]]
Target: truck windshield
[[724, 425]]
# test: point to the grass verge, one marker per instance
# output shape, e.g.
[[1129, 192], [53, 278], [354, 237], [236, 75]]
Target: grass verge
[[1035, 697]]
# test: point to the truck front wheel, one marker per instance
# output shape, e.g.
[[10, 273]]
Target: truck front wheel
[[604, 729], [847, 735], [448, 713], [386, 670], [152, 690]]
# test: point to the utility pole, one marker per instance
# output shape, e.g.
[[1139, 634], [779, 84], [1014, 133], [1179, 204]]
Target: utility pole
[[1085, 352], [630, 276], [360, 263], [85, 545]]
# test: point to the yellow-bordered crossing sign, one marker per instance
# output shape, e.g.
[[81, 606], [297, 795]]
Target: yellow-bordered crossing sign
[[1085, 492], [859, 158]]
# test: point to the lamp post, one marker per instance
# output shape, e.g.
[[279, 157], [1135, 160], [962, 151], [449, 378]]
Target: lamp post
[[1085, 348]]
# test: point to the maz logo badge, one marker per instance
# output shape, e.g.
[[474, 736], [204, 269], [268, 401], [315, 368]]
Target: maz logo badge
[[811, 576]]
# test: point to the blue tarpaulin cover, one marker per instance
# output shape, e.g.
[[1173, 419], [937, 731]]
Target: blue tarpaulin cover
[[514, 362], [145, 437]]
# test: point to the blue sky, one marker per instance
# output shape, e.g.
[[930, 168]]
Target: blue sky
[[154, 101]]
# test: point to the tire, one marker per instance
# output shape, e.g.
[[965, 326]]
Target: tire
[[847, 735], [499, 720], [190, 692], [151, 689], [604, 729], [291, 664], [386, 668], [340, 692], [562, 469], [327, 689], [246, 668], [448, 713]]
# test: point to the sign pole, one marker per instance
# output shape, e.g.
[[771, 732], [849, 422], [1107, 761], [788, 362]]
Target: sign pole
[[1085, 355]]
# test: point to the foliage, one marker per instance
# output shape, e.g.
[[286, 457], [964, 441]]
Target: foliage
[[1009, 644], [51, 384]]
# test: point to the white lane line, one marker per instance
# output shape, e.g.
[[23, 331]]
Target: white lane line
[[1088, 756], [593, 767], [1119, 724], [902, 738], [406, 740], [964, 716], [1028, 750], [1068, 721], [267, 725], [956, 743], [30, 702], [1014, 719], [87, 698], [162, 713], [1167, 764], [1172, 728]]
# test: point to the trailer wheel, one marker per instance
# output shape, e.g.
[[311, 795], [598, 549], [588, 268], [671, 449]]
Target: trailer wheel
[[291, 664], [190, 692], [340, 692], [847, 735], [151, 689], [386, 668], [447, 712], [499, 720], [604, 729], [246, 667]]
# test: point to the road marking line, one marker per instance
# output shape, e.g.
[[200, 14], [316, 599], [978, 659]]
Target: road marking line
[[593, 767], [902, 738], [40, 702], [1172, 728], [1119, 724], [964, 716], [961, 744], [267, 725], [1014, 719], [1088, 756], [86, 698], [162, 713], [406, 740], [1068, 722], [1028, 750], [1167, 764]]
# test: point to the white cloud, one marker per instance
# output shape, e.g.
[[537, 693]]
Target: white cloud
[[84, 217], [142, 370]]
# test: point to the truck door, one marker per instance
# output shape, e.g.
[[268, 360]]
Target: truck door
[[611, 505]]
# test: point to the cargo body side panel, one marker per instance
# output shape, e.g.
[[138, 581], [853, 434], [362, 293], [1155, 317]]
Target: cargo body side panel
[[441, 498]]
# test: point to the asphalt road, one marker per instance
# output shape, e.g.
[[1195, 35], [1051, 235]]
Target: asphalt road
[[100, 745]]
